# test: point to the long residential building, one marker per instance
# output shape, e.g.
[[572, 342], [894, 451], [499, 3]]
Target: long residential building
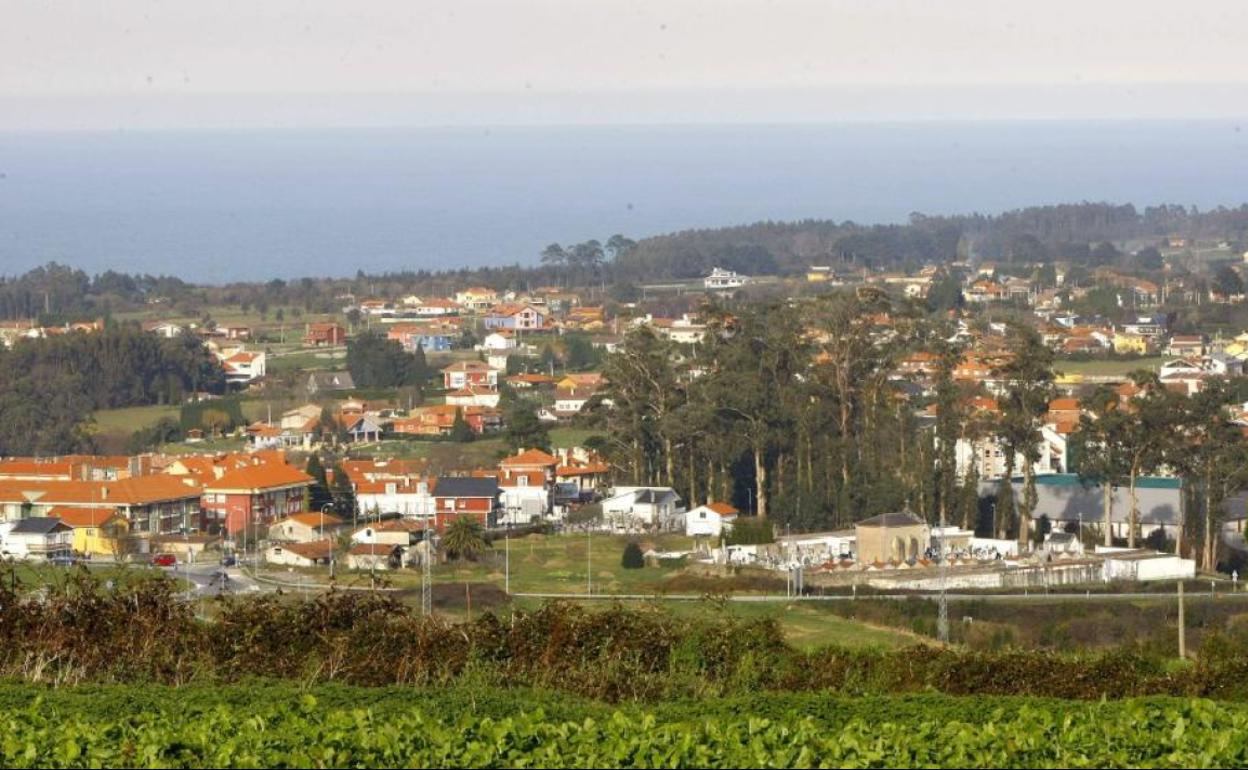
[[151, 505]]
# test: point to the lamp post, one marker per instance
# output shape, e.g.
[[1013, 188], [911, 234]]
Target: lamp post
[[325, 507]]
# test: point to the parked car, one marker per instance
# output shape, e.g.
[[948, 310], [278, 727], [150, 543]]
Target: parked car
[[229, 561], [164, 560], [65, 561]]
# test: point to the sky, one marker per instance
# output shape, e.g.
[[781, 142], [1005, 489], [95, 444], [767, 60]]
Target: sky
[[146, 64]]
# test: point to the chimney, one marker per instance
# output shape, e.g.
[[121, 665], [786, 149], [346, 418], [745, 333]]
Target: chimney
[[103, 492]]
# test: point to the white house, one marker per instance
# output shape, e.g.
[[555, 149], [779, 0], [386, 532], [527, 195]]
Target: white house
[[300, 554], [374, 556], [710, 520], [637, 508], [395, 532], [721, 279], [36, 539], [503, 340], [244, 366], [474, 396], [409, 498], [304, 527]]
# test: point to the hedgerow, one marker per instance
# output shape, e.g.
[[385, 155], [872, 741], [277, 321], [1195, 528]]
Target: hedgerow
[[143, 632]]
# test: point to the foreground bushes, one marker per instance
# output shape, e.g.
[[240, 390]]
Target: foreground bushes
[[302, 734], [144, 633]]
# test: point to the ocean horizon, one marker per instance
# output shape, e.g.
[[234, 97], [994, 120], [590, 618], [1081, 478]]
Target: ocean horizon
[[220, 206]]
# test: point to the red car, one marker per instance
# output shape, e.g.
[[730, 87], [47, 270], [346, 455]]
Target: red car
[[164, 560]]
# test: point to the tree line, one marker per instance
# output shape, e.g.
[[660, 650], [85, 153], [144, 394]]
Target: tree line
[[794, 411], [49, 386]]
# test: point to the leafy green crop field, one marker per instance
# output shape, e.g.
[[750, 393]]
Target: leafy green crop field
[[267, 724]]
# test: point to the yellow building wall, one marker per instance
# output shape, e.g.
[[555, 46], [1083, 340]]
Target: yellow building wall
[[97, 541], [1130, 344]]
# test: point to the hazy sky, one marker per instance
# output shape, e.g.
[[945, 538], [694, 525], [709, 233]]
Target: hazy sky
[[141, 63]]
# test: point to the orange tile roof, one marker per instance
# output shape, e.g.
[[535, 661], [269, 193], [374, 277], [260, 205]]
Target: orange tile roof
[[84, 517], [141, 490], [312, 519], [317, 549], [530, 457], [723, 509], [261, 476]]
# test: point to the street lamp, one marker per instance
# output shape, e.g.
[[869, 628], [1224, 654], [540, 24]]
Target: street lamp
[[331, 545]]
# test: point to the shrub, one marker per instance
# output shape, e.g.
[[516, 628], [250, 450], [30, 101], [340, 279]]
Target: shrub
[[633, 557]]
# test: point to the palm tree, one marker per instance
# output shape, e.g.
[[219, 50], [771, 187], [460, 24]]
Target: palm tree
[[464, 539]]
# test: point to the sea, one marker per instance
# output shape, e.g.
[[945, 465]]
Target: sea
[[221, 206]]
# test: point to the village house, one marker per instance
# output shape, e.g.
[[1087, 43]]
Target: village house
[[36, 539], [97, 531], [329, 382], [524, 317], [1186, 345], [393, 532], [644, 508], [582, 468], [324, 335], [529, 381], [372, 557], [569, 402], [437, 307], [499, 341], [243, 367], [300, 554], [408, 497], [439, 420], [526, 479], [474, 395], [457, 497], [305, 527], [721, 279], [431, 338], [477, 298], [462, 374], [711, 520], [166, 329]]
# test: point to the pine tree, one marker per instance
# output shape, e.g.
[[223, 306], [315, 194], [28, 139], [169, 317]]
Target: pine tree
[[461, 431], [318, 494]]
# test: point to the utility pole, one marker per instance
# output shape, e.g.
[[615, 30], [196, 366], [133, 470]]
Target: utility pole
[[331, 545], [1182, 625], [942, 619], [426, 576]]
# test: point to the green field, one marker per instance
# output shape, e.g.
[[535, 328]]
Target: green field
[[307, 360], [122, 422], [276, 724], [1108, 367]]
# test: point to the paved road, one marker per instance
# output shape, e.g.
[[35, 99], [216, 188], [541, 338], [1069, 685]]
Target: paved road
[[1034, 596], [211, 580]]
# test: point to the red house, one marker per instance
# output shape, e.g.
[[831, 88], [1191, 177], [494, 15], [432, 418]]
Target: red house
[[457, 497], [324, 334], [255, 495]]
